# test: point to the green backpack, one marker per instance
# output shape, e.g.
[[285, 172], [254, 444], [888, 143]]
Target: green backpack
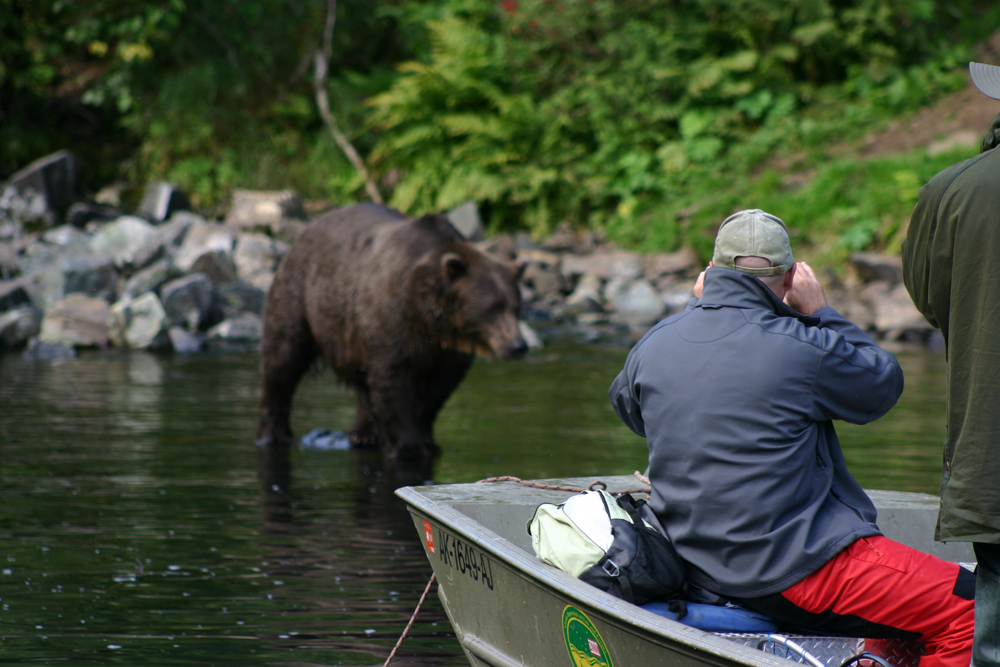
[[611, 543]]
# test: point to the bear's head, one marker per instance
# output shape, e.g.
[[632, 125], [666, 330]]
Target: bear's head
[[476, 300]]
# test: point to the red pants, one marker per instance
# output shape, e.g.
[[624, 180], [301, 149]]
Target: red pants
[[880, 589]]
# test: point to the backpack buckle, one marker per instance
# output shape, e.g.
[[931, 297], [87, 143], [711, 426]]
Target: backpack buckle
[[611, 568]]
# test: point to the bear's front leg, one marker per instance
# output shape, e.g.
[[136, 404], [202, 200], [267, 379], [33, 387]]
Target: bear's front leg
[[366, 432], [398, 412]]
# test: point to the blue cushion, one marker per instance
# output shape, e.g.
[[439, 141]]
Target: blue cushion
[[713, 618]]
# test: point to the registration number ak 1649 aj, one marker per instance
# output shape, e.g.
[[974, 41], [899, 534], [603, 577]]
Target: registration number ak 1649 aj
[[459, 555]]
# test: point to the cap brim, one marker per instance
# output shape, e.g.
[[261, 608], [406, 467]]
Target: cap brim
[[986, 78]]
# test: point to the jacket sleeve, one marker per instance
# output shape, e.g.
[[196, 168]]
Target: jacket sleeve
[[625, 401], [918, 253], [856, 381]]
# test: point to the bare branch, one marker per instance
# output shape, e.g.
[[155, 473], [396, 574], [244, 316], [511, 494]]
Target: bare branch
[[321, 63]]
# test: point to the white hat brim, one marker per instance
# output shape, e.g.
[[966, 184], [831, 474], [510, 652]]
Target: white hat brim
[[986, 78]]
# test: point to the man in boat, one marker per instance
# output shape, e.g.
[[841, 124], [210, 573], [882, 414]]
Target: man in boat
[[736, 397], [951, 269]]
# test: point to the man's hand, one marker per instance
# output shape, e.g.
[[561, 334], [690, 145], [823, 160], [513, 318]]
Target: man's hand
[[699, 284], [806, 294]]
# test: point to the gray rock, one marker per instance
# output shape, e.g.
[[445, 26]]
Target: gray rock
[[188, 301], [36, 257], [288, 230], [131, 242], [615, 287], [562, 239], [606, 264], [161, 200], [241, 297], [18, 326], [500, 247], [465, 218], [185, 341], [243, 328], [76, 321], [139, 324], [251, 208], [14, 294], [113, 195], [90, 274], [51, 275], [203, 238], [656, 266], [217, 265], [638, 305], [893, 309], [542, 272], [66, 236], [586, 297], [150, 279], [676, 299], [174, 230], [523, 241], [82, 214], [18, 208], [256, 257], [872, 267], [8, 261], [54, 178], [591, 319], [530, 336]]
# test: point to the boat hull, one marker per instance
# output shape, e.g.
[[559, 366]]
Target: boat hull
[[508, 608]]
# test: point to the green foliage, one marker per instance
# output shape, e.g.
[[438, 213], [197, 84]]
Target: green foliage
[[213, 94], [610, 112], [646, 119]]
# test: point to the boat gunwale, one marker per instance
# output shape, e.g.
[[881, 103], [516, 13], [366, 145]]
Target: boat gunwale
[[628, 617]]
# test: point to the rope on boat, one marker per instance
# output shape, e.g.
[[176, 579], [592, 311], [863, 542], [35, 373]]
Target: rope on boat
[[595, 485], [506, 478], [395, 648]]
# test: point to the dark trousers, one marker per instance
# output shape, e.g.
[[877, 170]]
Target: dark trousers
[[986, 642]]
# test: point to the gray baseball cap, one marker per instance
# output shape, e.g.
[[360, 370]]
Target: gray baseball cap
[[986, 78], [753, 233]]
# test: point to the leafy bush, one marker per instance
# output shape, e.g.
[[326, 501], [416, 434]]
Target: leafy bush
[[620, 113], [646, 119]]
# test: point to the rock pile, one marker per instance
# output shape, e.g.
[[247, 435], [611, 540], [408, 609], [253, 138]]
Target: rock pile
[[168, 278]]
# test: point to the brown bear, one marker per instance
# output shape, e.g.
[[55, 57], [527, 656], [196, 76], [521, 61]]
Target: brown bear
[[398, 307]]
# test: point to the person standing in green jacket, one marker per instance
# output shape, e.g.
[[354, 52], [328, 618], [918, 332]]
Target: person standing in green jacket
[[951, 268]]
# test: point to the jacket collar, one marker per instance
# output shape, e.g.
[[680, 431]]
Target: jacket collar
[[729, 288]]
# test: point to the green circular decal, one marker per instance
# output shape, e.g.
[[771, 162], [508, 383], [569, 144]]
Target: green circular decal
[[583, 641]]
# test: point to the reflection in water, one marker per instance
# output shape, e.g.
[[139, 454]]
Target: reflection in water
[[139, 523]]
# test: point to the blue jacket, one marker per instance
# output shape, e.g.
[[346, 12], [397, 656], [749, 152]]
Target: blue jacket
[[735, 397]]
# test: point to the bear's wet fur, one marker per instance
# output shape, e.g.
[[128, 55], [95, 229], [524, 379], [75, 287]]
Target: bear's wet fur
[[398, 307]]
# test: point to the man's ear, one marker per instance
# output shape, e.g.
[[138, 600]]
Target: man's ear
[[789, 277]]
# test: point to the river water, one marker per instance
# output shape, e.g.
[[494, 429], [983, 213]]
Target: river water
[[137, 524]]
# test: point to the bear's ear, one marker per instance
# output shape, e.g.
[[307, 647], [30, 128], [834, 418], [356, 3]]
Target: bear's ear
[[453, 266]]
